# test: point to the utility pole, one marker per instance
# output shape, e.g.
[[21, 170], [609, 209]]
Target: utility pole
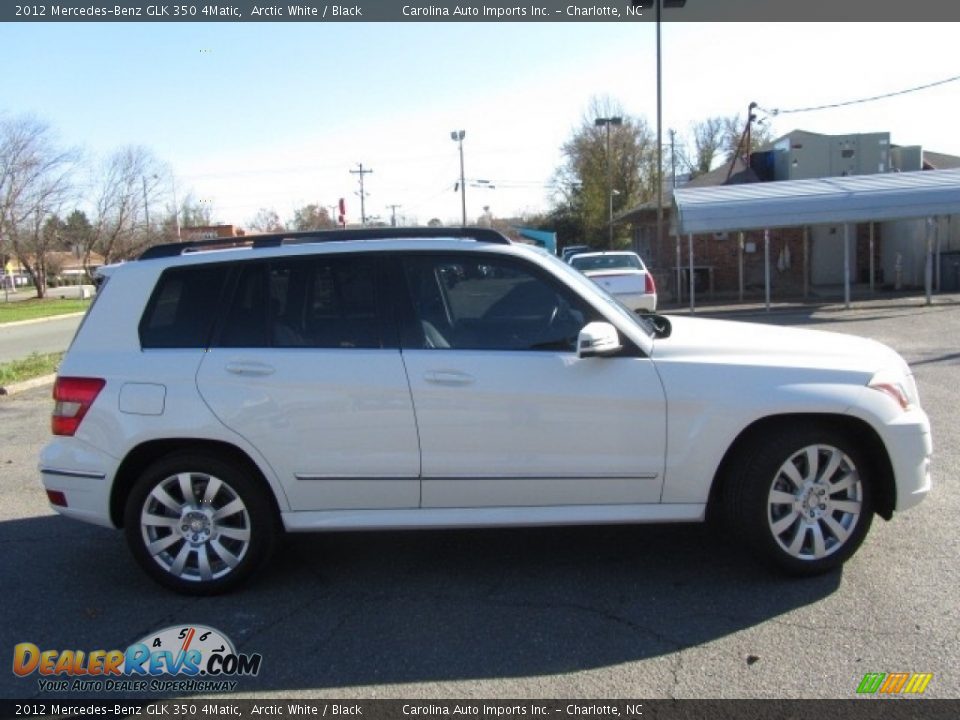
[[146, 204], [393, 214], [673, 157], [361, 172]]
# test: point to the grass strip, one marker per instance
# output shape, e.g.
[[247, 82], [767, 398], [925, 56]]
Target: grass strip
[[35, 365], [35, 308]]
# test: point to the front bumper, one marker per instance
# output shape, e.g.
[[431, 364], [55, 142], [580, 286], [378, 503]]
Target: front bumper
[[910, 447]]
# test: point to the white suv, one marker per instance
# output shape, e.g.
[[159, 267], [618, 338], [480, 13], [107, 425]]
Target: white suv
[[215, 397]]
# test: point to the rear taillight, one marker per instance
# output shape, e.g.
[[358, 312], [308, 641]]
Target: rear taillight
[[649, 286], [72, 397]]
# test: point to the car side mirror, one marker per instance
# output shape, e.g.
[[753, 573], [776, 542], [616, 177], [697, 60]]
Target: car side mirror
[[598, 339]]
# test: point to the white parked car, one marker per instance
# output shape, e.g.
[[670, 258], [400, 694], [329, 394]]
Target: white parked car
[[623, 275], [215, 397]]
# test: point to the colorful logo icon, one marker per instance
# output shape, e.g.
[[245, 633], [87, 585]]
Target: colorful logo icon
[[894, 683]]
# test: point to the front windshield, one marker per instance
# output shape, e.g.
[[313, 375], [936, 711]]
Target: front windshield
[[586, 263], [581, 280]]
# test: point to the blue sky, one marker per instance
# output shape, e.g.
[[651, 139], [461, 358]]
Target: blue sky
[[275, 115]]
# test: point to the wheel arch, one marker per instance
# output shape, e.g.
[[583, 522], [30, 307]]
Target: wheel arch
[[885, 491], [145, 454]]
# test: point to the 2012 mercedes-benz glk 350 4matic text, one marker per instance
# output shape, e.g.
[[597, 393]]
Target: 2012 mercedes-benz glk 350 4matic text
[[216, 396]]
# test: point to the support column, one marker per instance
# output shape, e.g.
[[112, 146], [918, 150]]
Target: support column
[[937, 243], [740, 263], [928, 269], [872, 269], [846, 265], [766, 265], [679, 272], [806, 261], [693, 290]]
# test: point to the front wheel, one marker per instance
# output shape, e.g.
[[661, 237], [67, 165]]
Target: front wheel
[[801, 499], [199, 524]]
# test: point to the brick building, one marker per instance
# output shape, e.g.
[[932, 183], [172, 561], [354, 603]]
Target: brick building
[[804, 260]]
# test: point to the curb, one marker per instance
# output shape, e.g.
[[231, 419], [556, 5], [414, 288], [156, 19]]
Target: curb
[[28, 384], [48, 318]]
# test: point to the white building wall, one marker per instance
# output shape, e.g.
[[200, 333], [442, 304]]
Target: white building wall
[[908, 240], [826, 254]]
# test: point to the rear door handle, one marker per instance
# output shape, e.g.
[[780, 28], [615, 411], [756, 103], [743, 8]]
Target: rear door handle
[[447, 377], [250, 368]]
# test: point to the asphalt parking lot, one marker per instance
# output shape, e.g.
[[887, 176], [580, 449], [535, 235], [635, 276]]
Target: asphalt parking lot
[[615, 612]]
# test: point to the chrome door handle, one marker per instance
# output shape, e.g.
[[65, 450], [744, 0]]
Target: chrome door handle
[[447, 377], [249, 368]]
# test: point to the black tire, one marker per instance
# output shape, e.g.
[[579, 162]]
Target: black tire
[[208, 543], [826, 520]]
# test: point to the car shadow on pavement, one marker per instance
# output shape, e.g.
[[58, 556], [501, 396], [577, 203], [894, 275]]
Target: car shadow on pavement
[[354, 609]]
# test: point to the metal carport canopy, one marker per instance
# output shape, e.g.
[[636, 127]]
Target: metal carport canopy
[[834, 200]]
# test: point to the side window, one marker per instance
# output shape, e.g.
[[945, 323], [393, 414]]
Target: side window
[[319, 302], [245, 324], [482, 303], [340, 305], [182, 308]]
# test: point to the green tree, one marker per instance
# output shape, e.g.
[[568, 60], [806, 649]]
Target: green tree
[[311, 217], [582, 183], [195, 212], [77, 232]]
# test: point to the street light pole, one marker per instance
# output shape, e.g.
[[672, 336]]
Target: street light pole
[[176, 206], [457, 136], [659, 136], [607, 122], [658, 4]]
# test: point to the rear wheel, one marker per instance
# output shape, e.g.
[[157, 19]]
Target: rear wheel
[[199, 524], [801, 498]]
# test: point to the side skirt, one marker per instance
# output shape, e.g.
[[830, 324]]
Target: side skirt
[[416, 518]]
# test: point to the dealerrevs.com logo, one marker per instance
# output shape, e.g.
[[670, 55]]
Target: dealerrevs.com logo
[[201, 658]]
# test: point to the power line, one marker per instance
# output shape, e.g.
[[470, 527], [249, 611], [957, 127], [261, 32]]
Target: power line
[[777, 111]]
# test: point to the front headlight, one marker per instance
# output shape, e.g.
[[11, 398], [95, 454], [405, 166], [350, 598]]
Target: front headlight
[[900, 387]]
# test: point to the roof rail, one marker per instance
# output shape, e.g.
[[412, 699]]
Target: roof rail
[[479, 234]]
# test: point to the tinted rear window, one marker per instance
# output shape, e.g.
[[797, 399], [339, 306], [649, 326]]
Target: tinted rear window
[[306, 302], [182, 308]]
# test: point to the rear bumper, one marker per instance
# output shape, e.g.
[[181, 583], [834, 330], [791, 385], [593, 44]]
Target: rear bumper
[[84, 476], [642, 302]]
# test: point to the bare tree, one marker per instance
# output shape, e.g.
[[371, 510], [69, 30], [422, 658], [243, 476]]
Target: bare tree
[[266, 221], [733, 132], [707, 139], [35, 182], [130, 182]]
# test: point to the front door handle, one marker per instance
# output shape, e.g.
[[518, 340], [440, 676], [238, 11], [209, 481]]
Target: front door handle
[[447, 377], [250, 368]]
